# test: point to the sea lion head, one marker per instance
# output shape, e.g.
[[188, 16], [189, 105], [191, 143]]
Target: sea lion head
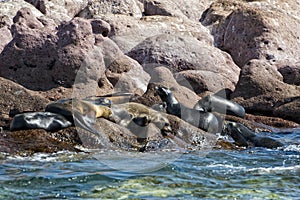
[[163, 92], [162, 123]]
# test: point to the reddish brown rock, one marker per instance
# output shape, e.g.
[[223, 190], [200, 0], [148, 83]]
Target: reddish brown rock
[[15, 99], [127, 75], [32, 141], [290, 73], [128, 32], [163, 76], [261, 91], [40, 57], [201, 80], [181, 53], [255, 30]]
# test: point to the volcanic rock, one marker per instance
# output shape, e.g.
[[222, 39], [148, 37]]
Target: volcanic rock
[[59, 10], [128, 32], [99, 8], [255, 30], [182, 53]]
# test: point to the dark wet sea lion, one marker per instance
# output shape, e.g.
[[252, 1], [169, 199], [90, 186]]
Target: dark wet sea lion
[[39, 120], [204, 120], [245, 137], [213, 103]]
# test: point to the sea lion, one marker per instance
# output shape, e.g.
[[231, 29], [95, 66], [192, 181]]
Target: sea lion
[[82, 113], [96, 107], [245, 137], [213, 103], [116, 98], [126, 113], [39, 120], [201, 119]]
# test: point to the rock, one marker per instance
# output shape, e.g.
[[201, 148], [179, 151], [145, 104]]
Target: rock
[[165, 8], [258, 78], [59, 10], [163, 76], [182, 9], [102, 7], [201, 81], [41, 58], [31, 141], [261, 91], [274, 123], [127, 75], [290, 74], [255, 30], [128, 32], [289, 110], [5, 35], [189, 136], [15, 99], [9, 9], [181, 53]]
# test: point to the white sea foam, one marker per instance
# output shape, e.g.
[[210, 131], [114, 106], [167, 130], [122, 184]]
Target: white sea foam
[[292, 147]]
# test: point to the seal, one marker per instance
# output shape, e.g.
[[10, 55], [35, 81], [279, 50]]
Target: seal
[[116, 98], [201, 119], [140, 114], [94, 107], [245, 137], [82, 113], [213, 103], [39, 120]]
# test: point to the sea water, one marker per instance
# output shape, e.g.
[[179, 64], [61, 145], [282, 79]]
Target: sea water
[[253, 173]]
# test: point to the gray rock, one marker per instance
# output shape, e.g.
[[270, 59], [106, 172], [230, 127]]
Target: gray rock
[[59, 10], [104, 7]]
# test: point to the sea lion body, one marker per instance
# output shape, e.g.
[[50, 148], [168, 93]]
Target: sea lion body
[[204, 120], [39, 120], [213, 103], [245, 137], [93, 107], [142, 115], [82, 113]]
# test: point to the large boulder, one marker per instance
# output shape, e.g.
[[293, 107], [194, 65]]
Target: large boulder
[[162, 76], [59, 10], [261, 90], [256, 29], [42, 56], [290, 73], [128, 32], [15, 99], [28, 142], [5, 34], [180, 8], [181, 53], [127, 75], [103, 7], [9, 8]]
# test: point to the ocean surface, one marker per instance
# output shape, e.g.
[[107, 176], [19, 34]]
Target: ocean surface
[[255, 173]]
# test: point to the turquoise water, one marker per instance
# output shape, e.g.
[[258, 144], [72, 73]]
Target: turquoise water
[[255, 173]]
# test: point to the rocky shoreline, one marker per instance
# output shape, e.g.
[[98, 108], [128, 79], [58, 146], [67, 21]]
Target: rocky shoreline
[[249, 48]]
